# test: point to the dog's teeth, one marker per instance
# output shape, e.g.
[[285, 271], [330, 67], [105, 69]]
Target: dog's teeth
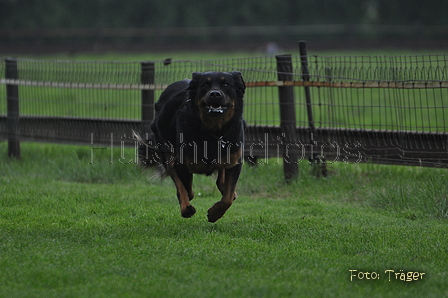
[[218, 109]]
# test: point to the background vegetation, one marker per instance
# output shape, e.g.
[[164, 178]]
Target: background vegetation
[[104, 25], [174, 13]]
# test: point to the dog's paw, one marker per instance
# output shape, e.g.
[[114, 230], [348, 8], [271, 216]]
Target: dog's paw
[[217, 211], [188, 212]]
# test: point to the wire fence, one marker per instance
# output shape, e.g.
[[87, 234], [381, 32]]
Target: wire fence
[[397, 105]]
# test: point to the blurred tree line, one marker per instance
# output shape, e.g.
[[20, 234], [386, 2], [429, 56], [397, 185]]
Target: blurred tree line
[[48, 14]]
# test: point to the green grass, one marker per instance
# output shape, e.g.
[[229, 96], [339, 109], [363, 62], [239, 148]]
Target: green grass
[[73, 229], [200, 55]]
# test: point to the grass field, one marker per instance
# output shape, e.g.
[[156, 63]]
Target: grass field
[[74, 229], [200, 55]]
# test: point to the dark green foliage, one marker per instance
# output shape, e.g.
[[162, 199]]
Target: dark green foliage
[[174, 13]]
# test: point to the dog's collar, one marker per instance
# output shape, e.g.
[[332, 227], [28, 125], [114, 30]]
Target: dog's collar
[[221, 140]]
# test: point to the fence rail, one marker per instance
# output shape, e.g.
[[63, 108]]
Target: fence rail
[[384, 109]]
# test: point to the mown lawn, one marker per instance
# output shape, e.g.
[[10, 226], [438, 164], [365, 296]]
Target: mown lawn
[[73, 229]]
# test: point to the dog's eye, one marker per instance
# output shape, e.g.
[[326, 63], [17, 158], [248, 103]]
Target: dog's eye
[[205, 85], [225, 84]]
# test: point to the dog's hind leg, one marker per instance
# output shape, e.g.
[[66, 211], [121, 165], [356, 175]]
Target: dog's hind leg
[[221, 180], [183, 181], [220, 207]]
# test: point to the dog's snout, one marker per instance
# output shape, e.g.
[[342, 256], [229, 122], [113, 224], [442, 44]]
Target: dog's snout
[[215, 94]]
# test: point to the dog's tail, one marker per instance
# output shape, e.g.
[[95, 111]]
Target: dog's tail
[[147, 153]]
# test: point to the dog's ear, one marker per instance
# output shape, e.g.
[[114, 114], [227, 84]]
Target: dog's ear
[[239, 83], [194, 83]]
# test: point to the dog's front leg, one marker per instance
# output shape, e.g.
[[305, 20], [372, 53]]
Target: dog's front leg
[[220, 182], [184, 193], [220, 207]]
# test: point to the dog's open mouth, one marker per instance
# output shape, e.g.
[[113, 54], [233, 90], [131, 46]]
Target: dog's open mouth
[[217, 109]]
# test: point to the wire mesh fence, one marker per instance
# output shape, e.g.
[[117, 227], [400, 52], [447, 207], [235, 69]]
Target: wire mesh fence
[[395, 104], [382, 92]]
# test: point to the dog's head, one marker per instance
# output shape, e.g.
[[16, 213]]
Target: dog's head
[[218, 96]]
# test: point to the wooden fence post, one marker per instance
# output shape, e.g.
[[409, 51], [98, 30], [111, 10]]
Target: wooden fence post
[[12, 106], [306, 78], [288, 118], [147, 78]]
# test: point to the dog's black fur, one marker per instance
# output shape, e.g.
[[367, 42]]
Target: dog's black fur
[[199, 128]]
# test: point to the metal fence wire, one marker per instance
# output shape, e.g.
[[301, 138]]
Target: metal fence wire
[[393, 108]]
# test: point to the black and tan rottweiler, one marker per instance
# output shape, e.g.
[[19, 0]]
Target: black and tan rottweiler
[[199, 128]]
